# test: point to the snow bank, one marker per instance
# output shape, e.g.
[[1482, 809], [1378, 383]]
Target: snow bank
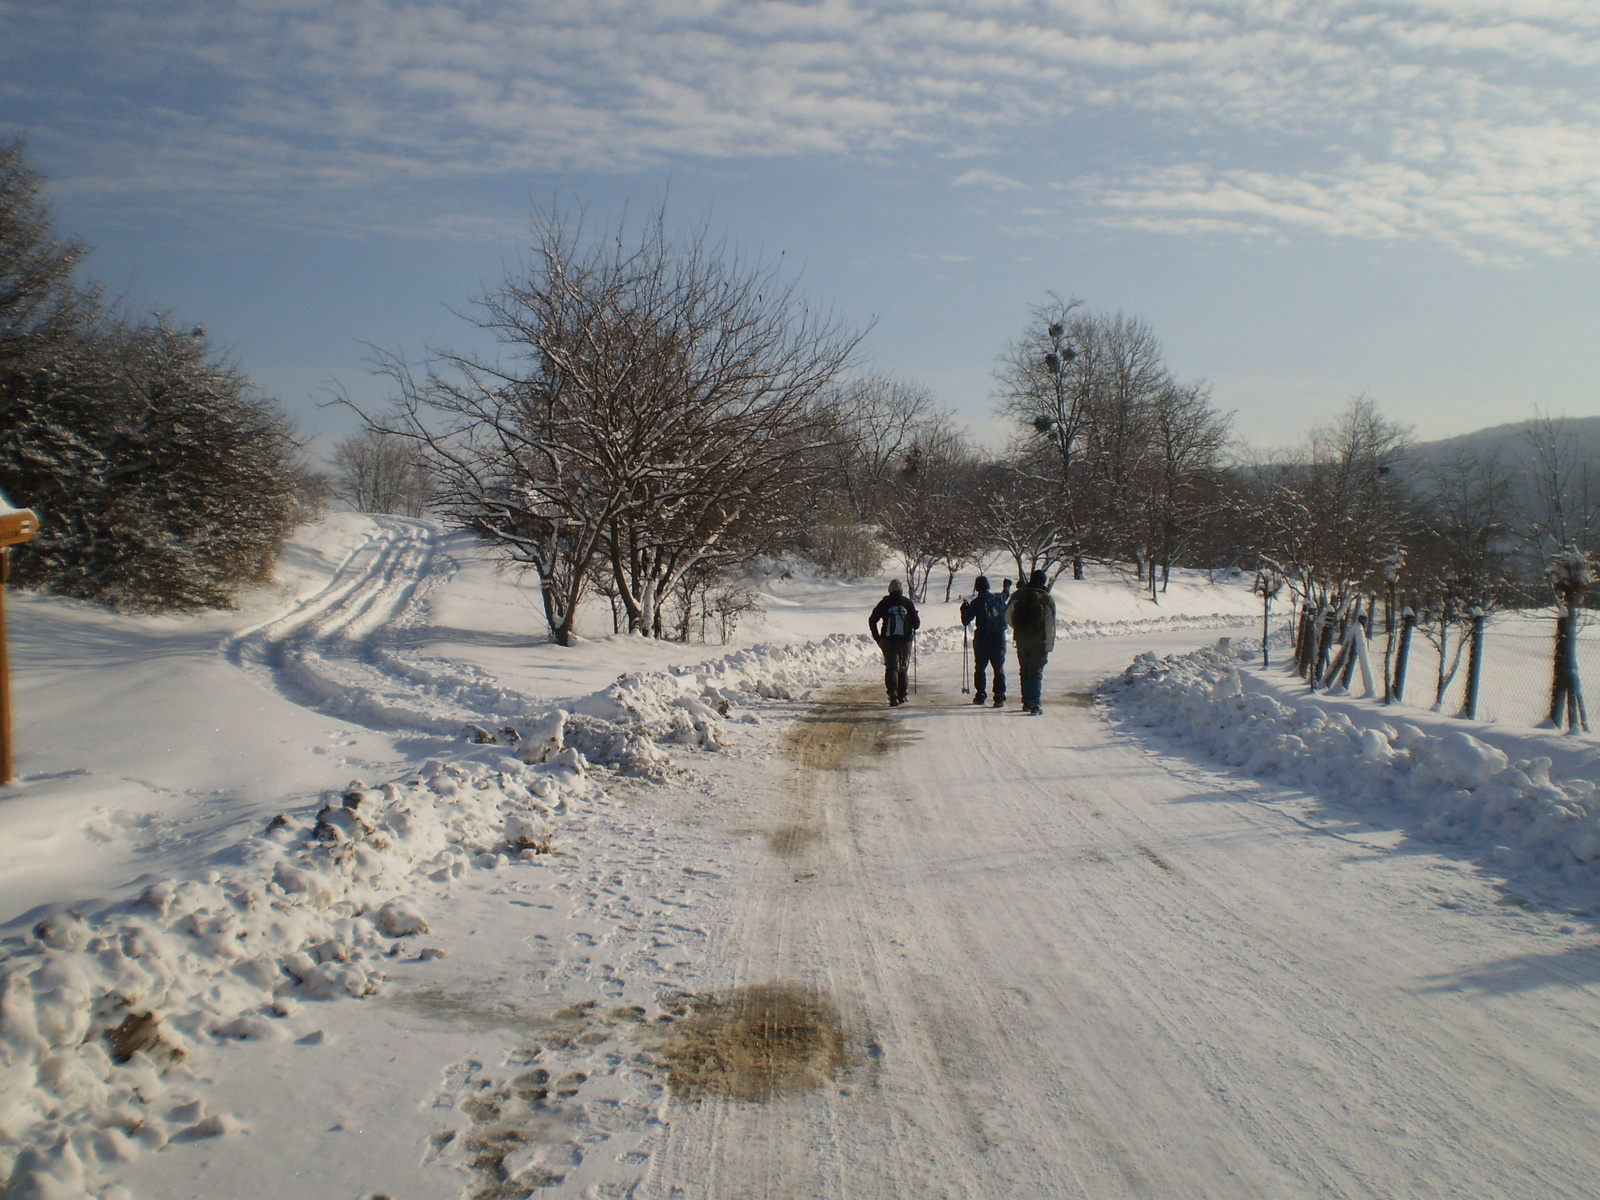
[[1465, 790], [98, 1011]]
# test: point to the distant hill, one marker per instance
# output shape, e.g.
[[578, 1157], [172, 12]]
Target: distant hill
[[1510, 443]]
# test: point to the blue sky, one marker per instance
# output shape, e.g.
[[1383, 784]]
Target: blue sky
[[1307, 201]]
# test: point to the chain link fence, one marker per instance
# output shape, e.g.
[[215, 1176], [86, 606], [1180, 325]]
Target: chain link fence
[[1518, 656]]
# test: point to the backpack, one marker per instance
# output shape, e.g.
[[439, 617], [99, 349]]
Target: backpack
[[894, 622], [1027, 610], [990, 618]]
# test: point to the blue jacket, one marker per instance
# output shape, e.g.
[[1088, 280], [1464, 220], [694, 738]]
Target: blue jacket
[[987, 613]]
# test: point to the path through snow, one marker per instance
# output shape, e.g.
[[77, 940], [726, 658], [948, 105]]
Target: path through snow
[[1066, 970]]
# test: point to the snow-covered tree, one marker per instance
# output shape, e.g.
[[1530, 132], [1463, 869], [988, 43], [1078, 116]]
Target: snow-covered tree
[[661, 404], [162, 478], [39, 303]]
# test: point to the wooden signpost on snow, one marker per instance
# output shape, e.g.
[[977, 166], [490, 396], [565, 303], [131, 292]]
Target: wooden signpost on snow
[[17, 525]]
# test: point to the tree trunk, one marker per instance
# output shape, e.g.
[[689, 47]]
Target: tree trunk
[[1319, 663], [1266, 628], [1469, 709], [1444, 648], [1559, 686], [1408, 620], [1388, 645]]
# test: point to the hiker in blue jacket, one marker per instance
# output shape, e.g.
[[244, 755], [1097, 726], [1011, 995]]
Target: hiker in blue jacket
[[893, 624], [986, 613]]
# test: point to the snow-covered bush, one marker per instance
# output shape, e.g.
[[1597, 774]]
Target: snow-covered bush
[[161, 479]]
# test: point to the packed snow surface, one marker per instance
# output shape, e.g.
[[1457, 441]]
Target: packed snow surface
[[369, 889]]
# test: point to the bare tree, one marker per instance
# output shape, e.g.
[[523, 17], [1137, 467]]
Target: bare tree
[[1460, 552], [1187, 437], [378, 472], [930, 516], [662, 406], [1020, 513], [1106, 429], [878, 420], [1328, 517], [1562, 507]]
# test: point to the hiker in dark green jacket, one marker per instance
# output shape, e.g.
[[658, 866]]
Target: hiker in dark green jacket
[[1032, 617]]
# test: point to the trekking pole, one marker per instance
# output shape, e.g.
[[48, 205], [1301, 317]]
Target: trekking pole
[[913, 664], [965, 688]]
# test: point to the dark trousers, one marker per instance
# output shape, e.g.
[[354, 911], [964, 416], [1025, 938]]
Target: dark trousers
[[1030, 665], [896, 666], [986, 654]]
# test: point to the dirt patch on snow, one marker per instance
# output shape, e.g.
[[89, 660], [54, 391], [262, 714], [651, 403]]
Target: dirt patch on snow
[[754, 1044], [789, 840], [846, 731]]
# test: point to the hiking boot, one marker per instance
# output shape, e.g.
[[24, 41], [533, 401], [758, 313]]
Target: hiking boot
[[979, 698], [893, 702], [902, 700], [999, 701], [1035, 711]]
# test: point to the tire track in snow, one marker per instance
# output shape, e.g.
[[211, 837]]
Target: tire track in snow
[[344, 651]]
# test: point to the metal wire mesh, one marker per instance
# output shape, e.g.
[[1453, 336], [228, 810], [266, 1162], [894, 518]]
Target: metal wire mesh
[[1518, 654]]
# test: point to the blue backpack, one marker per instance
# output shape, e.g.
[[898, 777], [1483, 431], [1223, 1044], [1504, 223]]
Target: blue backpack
[[989, 616]]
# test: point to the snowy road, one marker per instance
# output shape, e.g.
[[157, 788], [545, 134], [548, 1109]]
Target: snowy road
[[1009, 956], [1068, 967]]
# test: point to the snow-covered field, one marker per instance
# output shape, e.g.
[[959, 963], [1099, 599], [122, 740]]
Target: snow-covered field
[[274, 924]]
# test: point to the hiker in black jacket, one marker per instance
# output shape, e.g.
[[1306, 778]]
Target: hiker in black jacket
[[893, 623], [986, 613]]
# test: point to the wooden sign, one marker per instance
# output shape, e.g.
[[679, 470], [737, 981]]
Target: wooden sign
[[17, 525]]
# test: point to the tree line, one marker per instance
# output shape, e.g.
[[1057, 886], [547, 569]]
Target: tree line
[[662, 411]]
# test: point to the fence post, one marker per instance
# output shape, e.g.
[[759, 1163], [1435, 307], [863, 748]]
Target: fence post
[[1469, 709], [1408, 619]]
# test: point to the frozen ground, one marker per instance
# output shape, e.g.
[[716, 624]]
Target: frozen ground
[[1144, 945]]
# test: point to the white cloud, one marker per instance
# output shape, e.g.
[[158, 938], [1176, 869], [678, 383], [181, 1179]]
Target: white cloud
[[1470, 121], [989, 179]]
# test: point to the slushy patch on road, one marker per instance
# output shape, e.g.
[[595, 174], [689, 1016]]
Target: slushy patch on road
[[754, 1044]]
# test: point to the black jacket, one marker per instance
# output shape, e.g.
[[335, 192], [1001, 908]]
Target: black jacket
[[880, 617]]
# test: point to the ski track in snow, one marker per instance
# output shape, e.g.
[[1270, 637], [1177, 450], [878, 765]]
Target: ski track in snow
[[342, 651]]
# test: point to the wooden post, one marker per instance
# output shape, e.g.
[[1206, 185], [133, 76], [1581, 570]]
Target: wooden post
[[5, 674], [17, 525]]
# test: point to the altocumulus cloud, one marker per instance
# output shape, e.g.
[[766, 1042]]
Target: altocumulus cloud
[[1474, 122]]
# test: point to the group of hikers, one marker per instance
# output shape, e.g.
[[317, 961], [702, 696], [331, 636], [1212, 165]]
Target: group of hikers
[[1029, 613]]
